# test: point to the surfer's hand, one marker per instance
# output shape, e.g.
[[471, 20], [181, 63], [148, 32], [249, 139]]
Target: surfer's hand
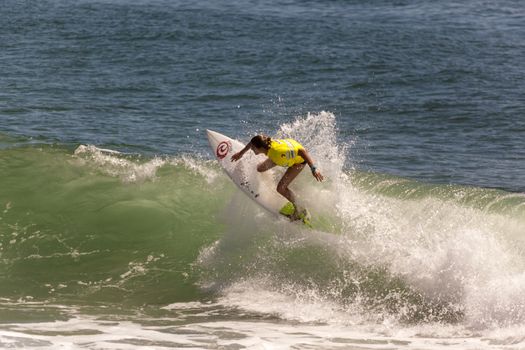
[[236, 156], [318, 176]]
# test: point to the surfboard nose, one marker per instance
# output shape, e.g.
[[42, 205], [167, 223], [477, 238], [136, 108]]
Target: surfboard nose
[[214, 138], [210, 135]]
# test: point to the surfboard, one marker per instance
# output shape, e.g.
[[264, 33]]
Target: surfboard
[[260, 187]]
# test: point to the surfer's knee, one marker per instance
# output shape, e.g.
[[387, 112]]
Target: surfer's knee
[[281, 188]]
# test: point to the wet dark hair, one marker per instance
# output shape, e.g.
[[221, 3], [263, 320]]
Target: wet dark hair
[[261, 141]]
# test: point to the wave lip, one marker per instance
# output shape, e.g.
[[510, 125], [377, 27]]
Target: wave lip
[[115, 163]]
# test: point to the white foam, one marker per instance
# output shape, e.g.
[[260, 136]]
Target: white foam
[[114, 164], [290, 303], [205, 325], [132, 170], [466, 259], [443, 250]]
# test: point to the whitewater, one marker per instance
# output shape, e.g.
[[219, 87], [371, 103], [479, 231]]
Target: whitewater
[[102, 249]]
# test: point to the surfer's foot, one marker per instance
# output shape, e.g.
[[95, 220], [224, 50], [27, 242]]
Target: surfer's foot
[[300, 214], [294, 216], [305, 217], [296, 213]]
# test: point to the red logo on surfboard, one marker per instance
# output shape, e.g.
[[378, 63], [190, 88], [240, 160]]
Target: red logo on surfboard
[[223, 149]]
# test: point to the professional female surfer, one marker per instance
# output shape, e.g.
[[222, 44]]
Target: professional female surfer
[[283, 152]]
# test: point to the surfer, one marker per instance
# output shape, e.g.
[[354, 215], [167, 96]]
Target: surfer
[[286, 153]]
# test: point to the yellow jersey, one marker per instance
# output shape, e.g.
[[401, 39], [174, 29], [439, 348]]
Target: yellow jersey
[[285, 152]]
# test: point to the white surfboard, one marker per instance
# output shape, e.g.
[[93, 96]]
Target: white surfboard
[[260, 187]]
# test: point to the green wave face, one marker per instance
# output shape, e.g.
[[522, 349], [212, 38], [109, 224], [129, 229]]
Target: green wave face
[[94, 226]]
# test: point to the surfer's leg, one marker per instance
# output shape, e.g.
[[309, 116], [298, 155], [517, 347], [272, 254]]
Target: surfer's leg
[[290, 174], [266, 165]]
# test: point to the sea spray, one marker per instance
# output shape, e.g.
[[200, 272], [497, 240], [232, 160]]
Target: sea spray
[[406, 251]]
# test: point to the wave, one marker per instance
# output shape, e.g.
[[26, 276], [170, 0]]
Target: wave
[[85, 224], [99, 225]]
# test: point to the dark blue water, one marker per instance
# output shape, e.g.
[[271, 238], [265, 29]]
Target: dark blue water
[[424, 89]]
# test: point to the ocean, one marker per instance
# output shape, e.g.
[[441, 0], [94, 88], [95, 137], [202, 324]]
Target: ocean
[[118, 229]]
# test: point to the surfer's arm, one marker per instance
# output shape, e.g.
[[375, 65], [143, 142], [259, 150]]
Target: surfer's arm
[[239, 154], [309, 160]]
